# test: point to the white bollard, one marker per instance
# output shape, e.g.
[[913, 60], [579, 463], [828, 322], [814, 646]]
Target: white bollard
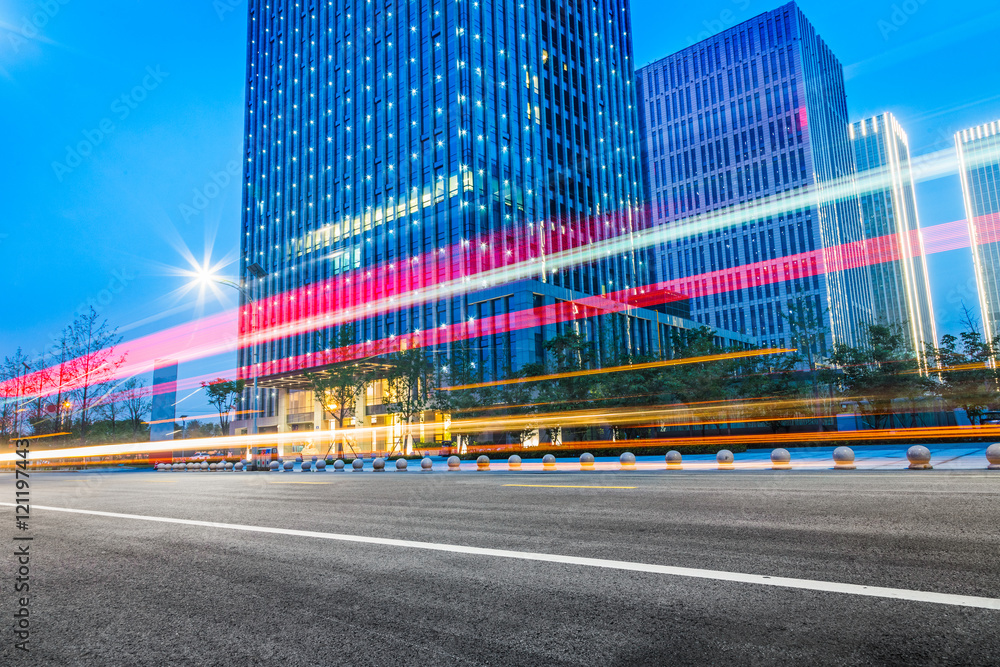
[[306, 466], [378, 465], [320, 465], [919, 458], [993, 456], [843, 459], [401, 465], [426, 465], [725, 459], [483, 462], [273, 466], [673, 459], [627, 461], [781, 459], [548, 462], [586, 461], [454, 463], [289, 466], [514, 462], [358, 465]]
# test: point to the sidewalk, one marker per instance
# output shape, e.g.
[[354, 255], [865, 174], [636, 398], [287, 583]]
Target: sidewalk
[[950, 456]]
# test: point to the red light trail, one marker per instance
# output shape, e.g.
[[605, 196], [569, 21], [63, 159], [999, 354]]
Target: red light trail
[[310, 308]]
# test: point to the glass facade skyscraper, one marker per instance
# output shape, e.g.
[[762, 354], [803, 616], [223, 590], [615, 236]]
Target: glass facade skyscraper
[[900, 285], [437, 172], [979, 161], [756, 118]]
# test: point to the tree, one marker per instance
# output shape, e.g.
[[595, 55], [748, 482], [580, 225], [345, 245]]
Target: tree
[[198, 429], [696, 383], [135, 397], [879, 373], [460, 370], [60, 373], [38, 377], [807, 327], [93, 343], [223, 394], [8, 408], [774, 379], [636, 386], [968, 379], [566, 354], [15, 376], [111, 410], [338, 388], [408, 394]]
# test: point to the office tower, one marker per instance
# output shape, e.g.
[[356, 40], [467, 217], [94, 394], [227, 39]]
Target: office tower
[[979, 161], [746, 133], [434, 173], [899, 283]]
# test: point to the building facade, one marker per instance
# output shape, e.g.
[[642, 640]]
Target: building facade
[[900, 285], [746, 134], [437, 173], [979, 162]]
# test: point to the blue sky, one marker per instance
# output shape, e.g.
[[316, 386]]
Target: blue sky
[[108, 226]]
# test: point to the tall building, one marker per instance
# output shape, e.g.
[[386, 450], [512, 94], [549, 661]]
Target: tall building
[[979, 161], [754, 119], [437, 173], [899, 281]]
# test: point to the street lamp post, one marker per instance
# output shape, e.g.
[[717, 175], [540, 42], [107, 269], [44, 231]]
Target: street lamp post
[[258, 273]]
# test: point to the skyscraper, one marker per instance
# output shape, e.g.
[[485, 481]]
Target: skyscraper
[[755, 119], [900, 286], [979, 161], [438, 173]]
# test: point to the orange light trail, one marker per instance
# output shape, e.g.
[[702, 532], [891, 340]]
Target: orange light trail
[[627, 367], [36, 437]]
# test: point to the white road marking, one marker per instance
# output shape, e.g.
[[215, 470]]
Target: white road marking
[[570, 486], [718, 575]]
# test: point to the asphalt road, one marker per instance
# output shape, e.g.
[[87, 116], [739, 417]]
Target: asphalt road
[[125, 591]]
